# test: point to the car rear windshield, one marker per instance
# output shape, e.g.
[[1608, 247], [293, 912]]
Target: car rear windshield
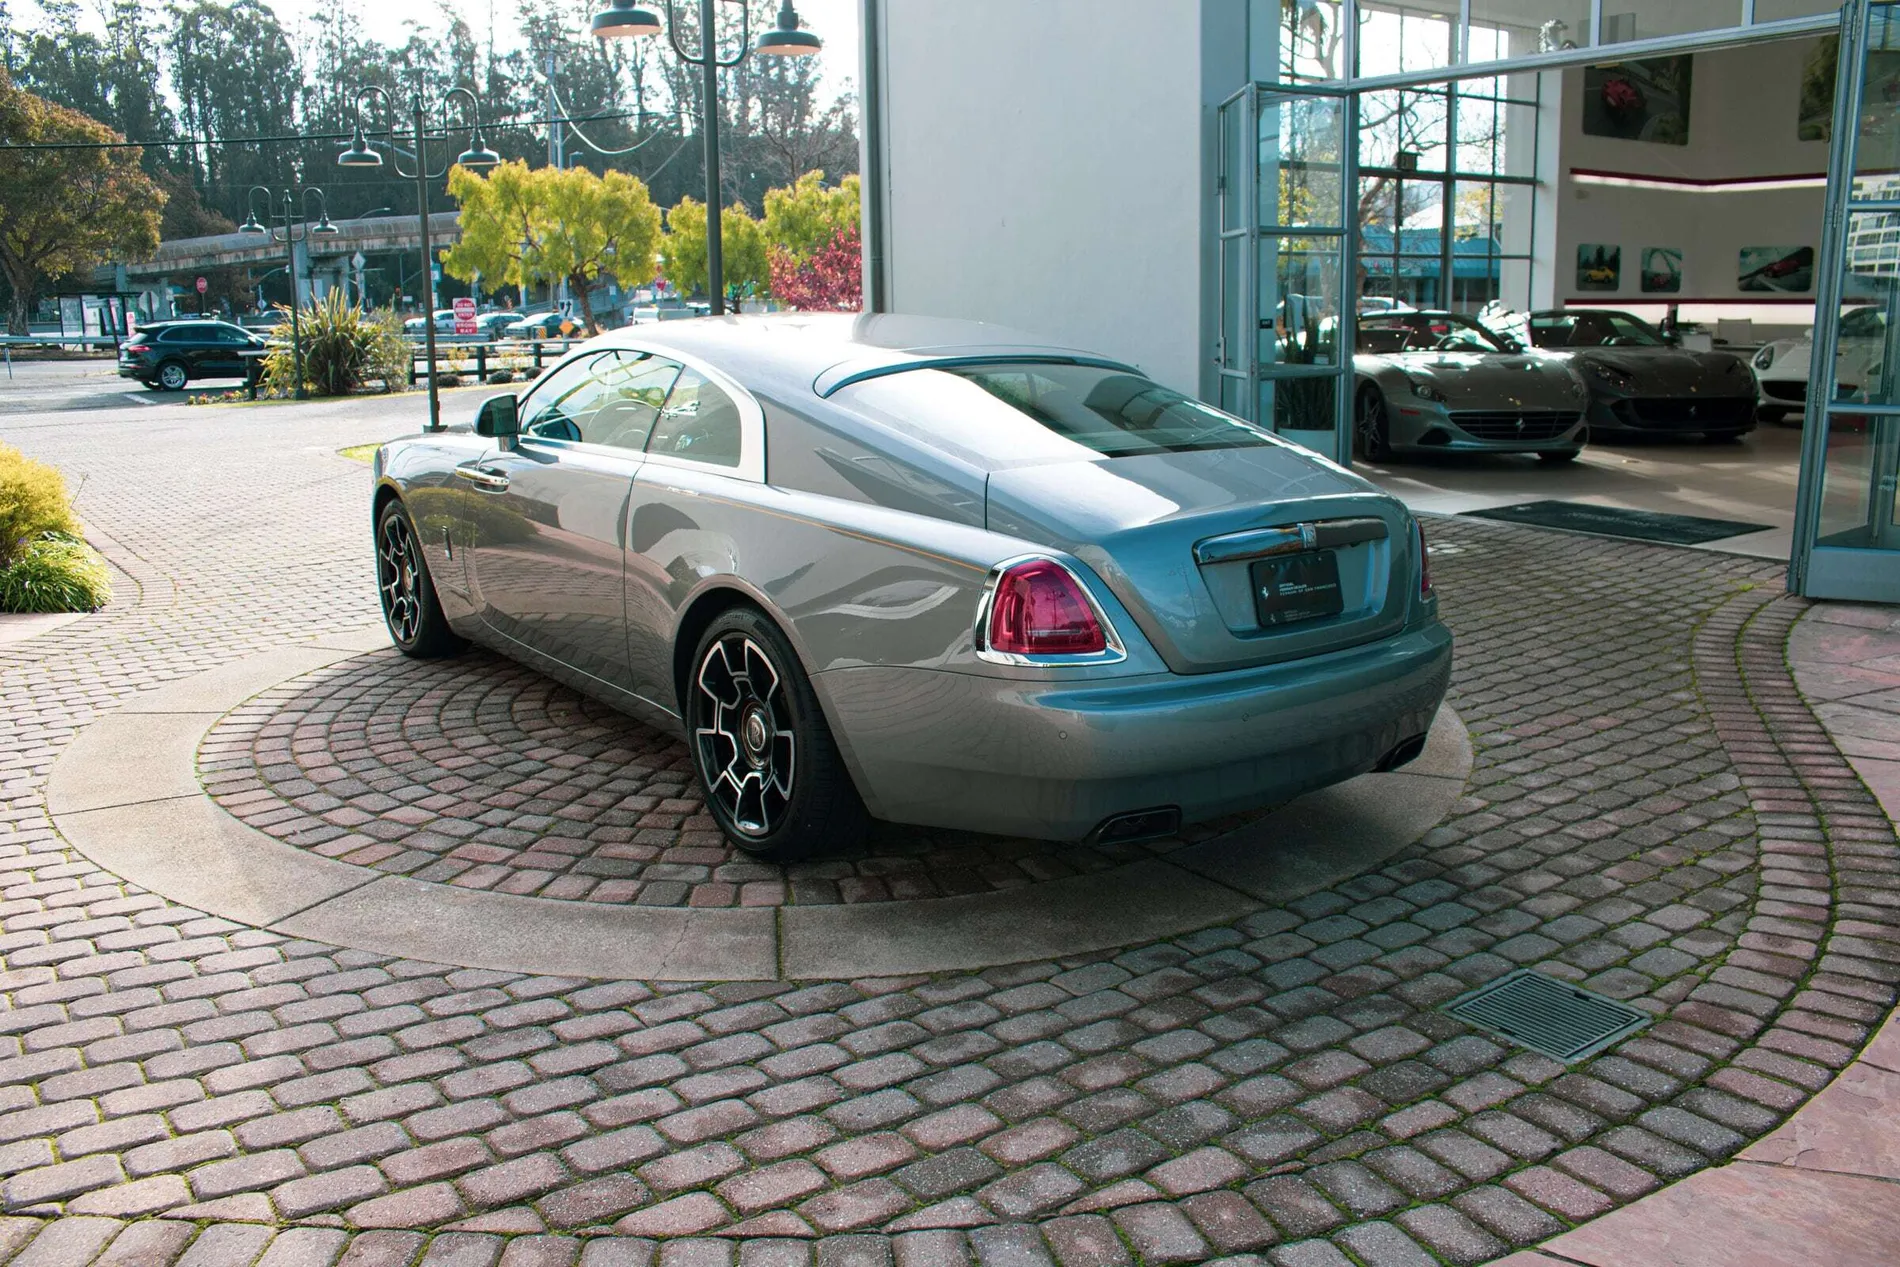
[[1112, 412]]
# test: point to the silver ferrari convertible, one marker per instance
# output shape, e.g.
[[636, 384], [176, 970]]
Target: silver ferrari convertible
[[924, 571], [1439, 382]]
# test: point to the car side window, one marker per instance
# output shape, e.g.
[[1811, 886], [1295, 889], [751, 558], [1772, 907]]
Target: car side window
[[700, 422], [634, 386], [561, 402], [176, 334], [231, 338]]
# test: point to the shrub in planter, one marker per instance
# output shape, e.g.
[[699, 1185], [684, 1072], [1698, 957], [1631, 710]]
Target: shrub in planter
[[32, 502], [344, 349], [44, 566], [448, 380], [501, 378], [55, 573]]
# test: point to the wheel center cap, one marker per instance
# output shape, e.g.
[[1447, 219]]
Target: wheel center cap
[[755, 733]]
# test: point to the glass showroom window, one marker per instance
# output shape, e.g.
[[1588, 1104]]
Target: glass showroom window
[[1446, 191]]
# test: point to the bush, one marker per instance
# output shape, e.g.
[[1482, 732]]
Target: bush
[[344, 349], [32, 503], [55, 573]]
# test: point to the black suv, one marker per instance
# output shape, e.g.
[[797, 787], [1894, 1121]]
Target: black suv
[[169, 354]]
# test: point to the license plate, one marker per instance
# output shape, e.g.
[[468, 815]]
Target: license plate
[[1297, 587]]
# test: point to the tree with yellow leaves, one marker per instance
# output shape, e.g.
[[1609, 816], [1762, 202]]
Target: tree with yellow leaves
[[521, 225], [742, 247]]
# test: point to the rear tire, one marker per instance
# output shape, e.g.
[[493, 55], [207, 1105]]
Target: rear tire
[[1371, 433], [411, 610], [770, 770], [172, 376]]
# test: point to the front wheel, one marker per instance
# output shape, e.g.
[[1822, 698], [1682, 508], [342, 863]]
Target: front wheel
[[410, 607], [1559, 457], [1372, 438], [1770, 414], [767, 763]]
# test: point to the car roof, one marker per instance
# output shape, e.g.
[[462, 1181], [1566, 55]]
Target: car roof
[[823, 352]]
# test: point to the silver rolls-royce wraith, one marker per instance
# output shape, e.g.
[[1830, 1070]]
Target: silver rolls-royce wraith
[[924, 571]]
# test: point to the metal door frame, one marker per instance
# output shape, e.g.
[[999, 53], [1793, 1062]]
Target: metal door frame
[[1815, 570], [1243, 364]]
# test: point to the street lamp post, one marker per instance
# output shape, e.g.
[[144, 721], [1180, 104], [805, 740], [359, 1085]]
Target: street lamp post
[[621, 20], [477, 155], [285, 212]]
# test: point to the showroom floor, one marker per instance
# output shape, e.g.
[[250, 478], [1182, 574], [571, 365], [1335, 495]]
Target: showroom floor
[[1753, 480]]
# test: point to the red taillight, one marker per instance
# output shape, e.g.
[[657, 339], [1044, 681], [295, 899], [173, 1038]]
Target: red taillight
[[1424, 563], [1040, 609], [138, 347]]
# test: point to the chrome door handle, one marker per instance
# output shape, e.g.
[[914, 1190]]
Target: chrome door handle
[[485, 477]]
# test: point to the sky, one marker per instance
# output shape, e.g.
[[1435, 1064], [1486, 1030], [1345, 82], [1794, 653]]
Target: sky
[[834, 21]]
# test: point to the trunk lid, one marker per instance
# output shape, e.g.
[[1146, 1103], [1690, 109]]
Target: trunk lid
[[1176, 536]]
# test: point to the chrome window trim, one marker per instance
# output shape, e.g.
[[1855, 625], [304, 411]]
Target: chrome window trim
[[1115, 653]]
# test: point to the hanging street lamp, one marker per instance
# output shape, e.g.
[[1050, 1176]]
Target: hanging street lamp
[[787, 39], [363, 154], [280, 207]]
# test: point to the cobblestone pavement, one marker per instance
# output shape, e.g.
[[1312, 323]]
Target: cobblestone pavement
[[1654, 812], [483, 774]]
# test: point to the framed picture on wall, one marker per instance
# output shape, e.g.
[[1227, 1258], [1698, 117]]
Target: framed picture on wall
[[1599, 266], [1662, 270], [1776, 268], [1639, 101]]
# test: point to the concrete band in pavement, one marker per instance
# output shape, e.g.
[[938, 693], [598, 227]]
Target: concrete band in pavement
[[127, 795]]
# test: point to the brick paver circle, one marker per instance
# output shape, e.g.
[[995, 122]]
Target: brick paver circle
[[480, 773]]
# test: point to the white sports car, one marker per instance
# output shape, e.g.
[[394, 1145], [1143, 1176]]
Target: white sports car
[[1781, 367]]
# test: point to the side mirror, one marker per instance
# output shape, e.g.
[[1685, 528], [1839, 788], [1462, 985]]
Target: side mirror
[[499, 419]]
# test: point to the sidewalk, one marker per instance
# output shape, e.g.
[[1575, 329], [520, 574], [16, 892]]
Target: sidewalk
[[1824, 1189]]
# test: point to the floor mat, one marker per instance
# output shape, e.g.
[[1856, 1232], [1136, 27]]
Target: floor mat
[[1613, 521]]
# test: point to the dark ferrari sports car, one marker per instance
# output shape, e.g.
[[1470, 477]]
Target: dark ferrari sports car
[[1641, 381]]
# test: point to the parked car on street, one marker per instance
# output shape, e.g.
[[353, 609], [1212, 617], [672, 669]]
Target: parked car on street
[[1437, 382], [415, 327], [538, 325], [1641, 381], [1860, 364], [925, 571], [168, 355]]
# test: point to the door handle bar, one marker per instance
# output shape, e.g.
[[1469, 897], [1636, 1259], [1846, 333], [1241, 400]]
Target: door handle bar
[[483, 476]]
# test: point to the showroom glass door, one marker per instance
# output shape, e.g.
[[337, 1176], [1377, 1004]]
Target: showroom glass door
[[1304, 191], [1847, 540]]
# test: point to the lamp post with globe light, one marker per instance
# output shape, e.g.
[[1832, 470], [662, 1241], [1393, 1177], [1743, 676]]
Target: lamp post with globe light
[[280, 207], [622, 20], [477, 155]]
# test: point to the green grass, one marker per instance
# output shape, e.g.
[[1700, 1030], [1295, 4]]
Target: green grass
[[361, 452]]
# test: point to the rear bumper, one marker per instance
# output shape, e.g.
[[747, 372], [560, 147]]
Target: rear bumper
[[1052, 760]]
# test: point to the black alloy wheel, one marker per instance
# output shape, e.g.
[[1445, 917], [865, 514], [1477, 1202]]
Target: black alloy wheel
[[410, 607], [172, 376], [1372, 438], [766, 761]]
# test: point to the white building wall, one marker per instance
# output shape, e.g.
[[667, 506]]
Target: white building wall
[[1048, 166], [1743, 123]]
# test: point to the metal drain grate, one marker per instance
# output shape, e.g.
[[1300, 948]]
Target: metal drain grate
[[1548, 1015]]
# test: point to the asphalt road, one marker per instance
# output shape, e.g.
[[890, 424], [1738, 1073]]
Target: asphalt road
[[58, 386]]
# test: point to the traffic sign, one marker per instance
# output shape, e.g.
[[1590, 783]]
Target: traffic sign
[[203, 285], [464, 315]]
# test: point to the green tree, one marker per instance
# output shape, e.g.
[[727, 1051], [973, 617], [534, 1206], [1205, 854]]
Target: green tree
[[234, 73], [521, 225], [742, 247], [65, 209], [806, 216]]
